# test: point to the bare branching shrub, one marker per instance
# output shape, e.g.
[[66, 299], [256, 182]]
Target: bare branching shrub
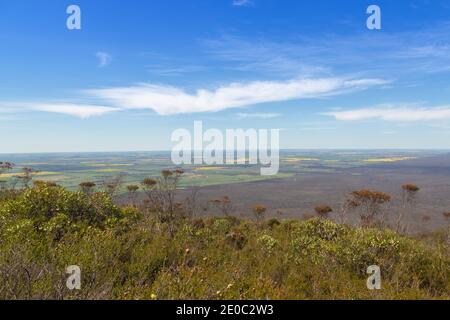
[[4, 166], [259, 212], [161, 194], [223, 204], [191, 205], [87, 187], [323, 211], [409, 197], [149, 185], [26, 176], [112, 185], [346, 208], [132, 194], [370, 205]]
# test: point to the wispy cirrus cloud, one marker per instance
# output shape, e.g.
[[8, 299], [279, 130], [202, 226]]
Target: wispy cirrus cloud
[[268, 115], [104, 59], [393, 113], [397, 53], [167, 71], [82, 111], [168, 100], [78, 110], [266, 56], [242, 3]]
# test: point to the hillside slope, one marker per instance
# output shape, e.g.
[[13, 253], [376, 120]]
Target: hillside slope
[[127, 253]]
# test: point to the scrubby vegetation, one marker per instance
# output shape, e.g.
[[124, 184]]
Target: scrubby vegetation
[[159, 249]]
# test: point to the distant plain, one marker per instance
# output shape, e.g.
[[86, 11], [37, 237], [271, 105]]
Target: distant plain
[[307, 178]]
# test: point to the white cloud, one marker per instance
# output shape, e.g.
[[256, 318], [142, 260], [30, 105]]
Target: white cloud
[[242, 3], [77, 110], [104, 59], [166, 100], [258, 115], [82, 111], [405, 113]]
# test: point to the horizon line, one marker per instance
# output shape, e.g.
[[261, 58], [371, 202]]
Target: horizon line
[[284, 149]]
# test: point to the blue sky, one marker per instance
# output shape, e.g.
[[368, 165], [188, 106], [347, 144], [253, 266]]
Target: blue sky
[[137, 70]]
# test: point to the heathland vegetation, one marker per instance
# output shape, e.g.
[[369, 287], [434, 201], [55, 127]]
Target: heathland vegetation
[[163, 248]]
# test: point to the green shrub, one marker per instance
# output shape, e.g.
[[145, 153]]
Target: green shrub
[[268, 243], [124, 254], [55, 210]]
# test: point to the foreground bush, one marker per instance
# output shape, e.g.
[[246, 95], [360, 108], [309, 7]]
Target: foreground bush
[[124, 255]]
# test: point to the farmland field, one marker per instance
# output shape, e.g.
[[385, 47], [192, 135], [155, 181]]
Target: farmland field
[[306, 178], [70, 169]]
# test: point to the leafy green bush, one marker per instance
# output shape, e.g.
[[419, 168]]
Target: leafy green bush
[[124, 254], [43, 203], [402, 260], [268, 243]]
